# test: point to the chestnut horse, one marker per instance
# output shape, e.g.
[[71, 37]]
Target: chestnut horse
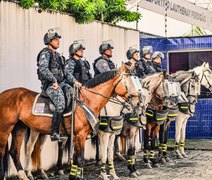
[[156, 115], [16, 105]]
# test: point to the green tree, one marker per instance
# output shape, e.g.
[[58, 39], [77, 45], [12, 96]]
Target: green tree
[[85, 11]]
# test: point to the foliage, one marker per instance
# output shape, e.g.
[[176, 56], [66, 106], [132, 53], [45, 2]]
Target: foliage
[[85, 11]]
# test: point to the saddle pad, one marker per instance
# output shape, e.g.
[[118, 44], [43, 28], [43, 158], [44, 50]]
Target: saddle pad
[[41, 107]]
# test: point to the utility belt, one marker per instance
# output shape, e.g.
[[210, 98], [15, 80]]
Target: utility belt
[[157, 116], [186, 108], [134, 120], [173, 112], [111, 124]]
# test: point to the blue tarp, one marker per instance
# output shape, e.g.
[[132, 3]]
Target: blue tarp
[[200, 125]]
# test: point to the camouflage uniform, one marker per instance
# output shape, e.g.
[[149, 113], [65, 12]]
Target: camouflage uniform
[[50, 70], [77, 70], [102, 65]]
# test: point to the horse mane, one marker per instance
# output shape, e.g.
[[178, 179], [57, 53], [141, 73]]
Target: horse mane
[[101, 78], [181, 75]]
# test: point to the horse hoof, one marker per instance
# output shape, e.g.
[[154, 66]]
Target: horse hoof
[[156, 165], [133, 175], [120, 156], [115, 177], [61, 172], [163, 161], [44, 176], [168, 159], [30, 177], [179, 156], [98, 163], [184, 155], [22, 175], [148, 166], [138, 173], [104, 176]]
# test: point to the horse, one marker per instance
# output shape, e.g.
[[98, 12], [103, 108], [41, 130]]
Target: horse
[[155, 84], [156, 113], [16, 105], [111, 125], [204, 74]]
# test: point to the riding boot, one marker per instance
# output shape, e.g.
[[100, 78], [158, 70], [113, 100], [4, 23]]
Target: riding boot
[[57, 117]]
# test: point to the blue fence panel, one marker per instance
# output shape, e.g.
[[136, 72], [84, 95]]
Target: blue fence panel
[[200, 125]]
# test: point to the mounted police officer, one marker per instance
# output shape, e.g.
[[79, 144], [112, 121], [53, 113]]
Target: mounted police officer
[[50, 71], [144, 66], [157, 58], [103, 63], [77, 65], [132, 56]]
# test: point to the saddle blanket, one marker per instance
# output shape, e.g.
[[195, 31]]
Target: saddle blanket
[[43, 106]]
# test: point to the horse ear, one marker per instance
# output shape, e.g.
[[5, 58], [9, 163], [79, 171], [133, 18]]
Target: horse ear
[[164, 73], [203, 64], [123, 67], [207, 65], [146, 85]]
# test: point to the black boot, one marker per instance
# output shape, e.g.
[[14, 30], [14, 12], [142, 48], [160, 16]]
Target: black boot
[[57, 118]]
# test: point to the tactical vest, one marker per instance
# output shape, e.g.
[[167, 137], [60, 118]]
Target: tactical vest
[[56, 65], [81, 71], [148, 67], [110, 64], [158, 68]]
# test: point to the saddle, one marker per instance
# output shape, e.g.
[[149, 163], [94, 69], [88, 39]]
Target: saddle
[[43, 106]]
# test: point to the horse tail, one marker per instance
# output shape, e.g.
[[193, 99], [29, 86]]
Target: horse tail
[[6, 159], [36, 154]]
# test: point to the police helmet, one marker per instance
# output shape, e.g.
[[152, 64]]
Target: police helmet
[[50, 35], [131, 52], [158, 54], [104, 46], [146, 50], [75, 47]]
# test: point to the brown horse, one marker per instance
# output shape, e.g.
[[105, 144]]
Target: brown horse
[[156, 115], [16, 105]]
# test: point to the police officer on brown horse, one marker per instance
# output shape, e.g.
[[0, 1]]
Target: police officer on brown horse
[[133, 57], [77, 65], [51, 73], [103, 63]]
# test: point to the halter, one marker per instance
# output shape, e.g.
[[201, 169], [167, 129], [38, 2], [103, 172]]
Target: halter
[[203, 75]]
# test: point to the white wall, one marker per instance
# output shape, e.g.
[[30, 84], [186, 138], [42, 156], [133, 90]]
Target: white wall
[[21, 38]]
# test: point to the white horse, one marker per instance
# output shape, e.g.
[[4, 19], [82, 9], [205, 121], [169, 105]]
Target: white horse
[[204, 75], [107, 135]]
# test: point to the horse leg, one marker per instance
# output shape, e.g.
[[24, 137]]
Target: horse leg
[[136, 132], [178, 127], [17, 138], [123, 146], [3, 154], [117, 149], [110, 156], [161, 141], [61, 146], [165, 141], [78, 160], [103, 140], [155, 131], [147, 143], [42, 139], [29, 149], [182, 139]]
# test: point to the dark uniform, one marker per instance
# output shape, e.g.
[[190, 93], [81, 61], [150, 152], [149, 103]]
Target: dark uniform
[[158, 67], [50, 70], [79, 69], [143, 68], [102, 65]]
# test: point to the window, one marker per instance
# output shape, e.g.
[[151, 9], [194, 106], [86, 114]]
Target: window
[[189, 60]]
